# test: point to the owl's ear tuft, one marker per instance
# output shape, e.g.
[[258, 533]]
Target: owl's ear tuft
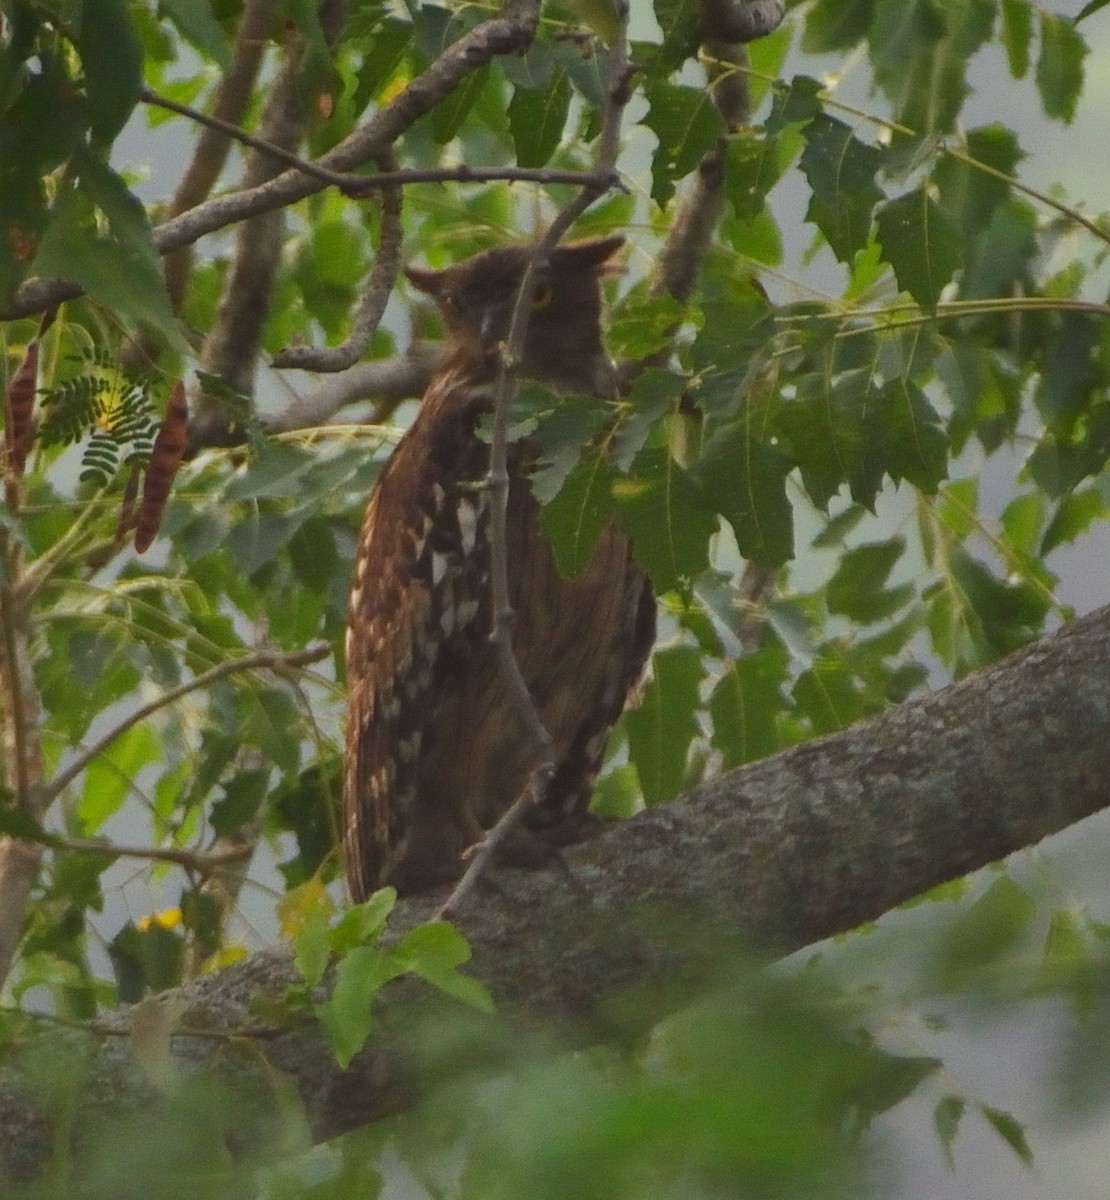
[[426, 280], [588, 254]]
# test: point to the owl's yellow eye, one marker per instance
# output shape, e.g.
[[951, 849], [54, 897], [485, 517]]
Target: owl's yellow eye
[[543, 297]]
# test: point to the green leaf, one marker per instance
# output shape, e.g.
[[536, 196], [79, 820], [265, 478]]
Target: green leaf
[[435, 952], [745, 480], [198, 26], [347, 1014], [664, 512], [362, 923], [664, 724], [573, 521], [640, 325], [112, 60], [829, 696], [986, 932], [946, 1120], [1017, 35], [15, 823], [1060, 66], [858, 589], [537, 117], [745, 706], [968, 194], [1011, 1131], [121, 269], [39, 128], [841, 171], [921, 244], [449, 114], [687, 125], [921, 50], [1074, 515], [679, 21], [111, 775], [836, 25], [242, 798], [905, 437]]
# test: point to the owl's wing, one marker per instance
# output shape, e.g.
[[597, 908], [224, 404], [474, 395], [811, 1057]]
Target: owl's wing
[[417, 602]]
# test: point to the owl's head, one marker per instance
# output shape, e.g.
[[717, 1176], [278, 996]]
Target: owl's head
[[563, 348]]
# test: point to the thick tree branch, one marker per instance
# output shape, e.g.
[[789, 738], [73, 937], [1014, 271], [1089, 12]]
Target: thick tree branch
[[780, 854], [210, 153]]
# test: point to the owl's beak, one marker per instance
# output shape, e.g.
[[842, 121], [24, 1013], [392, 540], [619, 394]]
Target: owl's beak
[[494, 327]]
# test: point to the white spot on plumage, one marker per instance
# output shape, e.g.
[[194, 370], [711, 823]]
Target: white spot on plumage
[[468, 524], [439, 566]]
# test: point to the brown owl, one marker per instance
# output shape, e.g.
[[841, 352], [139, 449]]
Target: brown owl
[[436, 751]]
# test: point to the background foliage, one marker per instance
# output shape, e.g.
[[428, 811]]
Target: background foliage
[[771, 426]]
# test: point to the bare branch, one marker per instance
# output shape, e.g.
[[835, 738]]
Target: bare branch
[[210, 153], [511, 31], [802, 846], [266, 660], [389, 381], [357, 186], [370, 311], [508, 381], [203, 862]]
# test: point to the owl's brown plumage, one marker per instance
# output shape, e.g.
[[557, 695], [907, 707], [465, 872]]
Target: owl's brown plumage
[[436, 751]]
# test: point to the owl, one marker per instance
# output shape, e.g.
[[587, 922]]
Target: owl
[[436, 749]]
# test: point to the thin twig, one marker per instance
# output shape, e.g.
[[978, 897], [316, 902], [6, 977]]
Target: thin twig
[[379, 287], [619, 74], [268, 660], [510, 31], [198, 860], [358, 186]]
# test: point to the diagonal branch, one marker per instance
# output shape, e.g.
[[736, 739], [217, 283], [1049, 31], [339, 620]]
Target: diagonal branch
[[508, 381], [510, 32], [802, 846], [265, 660]]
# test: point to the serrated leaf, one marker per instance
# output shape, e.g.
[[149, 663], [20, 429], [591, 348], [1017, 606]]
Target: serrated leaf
[[1017, 34], [681, 27], [687, 125], [1060, 66], [745, 706], [841, 171], [905, 438], [450, 113], [663, 725], [573, 521], [1074, 515], [836, 25], [663, 511], [119, 268], [537, 117], [435, 952], [745, 480], [641, 325], [921, 244], [858, 589]]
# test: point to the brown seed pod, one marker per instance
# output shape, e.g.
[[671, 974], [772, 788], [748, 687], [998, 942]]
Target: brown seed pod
[[165, 458], [19, 406]]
